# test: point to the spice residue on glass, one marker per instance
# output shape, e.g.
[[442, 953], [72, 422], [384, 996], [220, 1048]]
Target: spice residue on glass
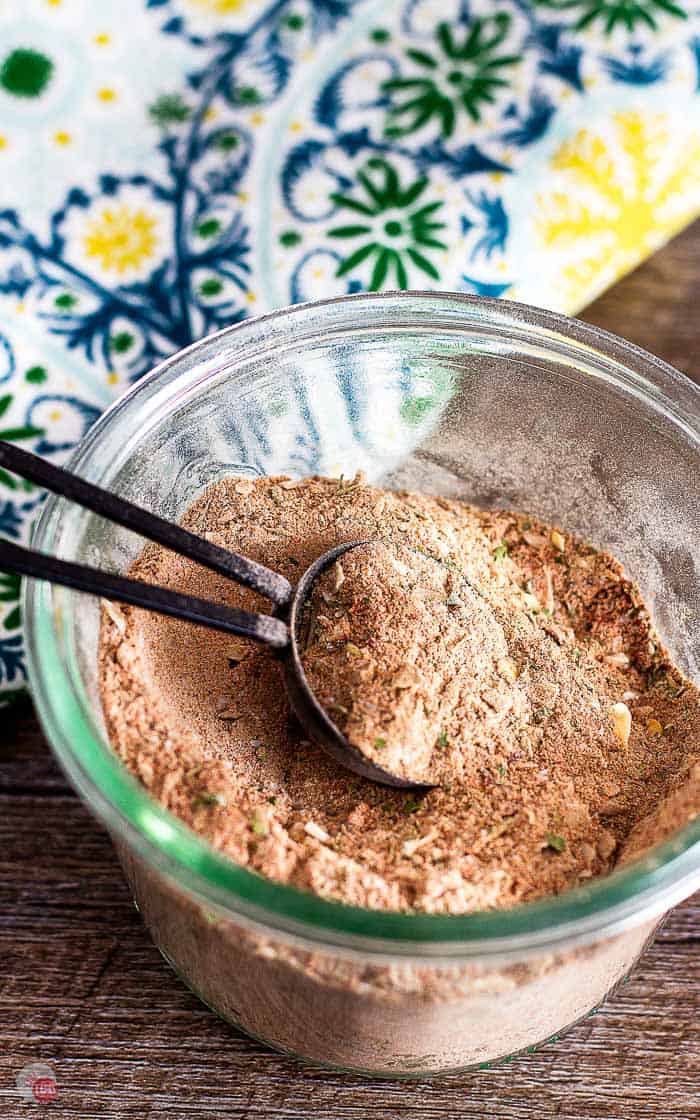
[[504, 660]]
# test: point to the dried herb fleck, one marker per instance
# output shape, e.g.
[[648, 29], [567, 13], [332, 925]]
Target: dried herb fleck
[[258, 825], [208, 798], [540, 715]]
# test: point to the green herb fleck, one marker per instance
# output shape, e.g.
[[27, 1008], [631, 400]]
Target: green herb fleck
[[540, 715], [258, 825], [442, 740], [556, 843], [411, 806], [339, 708], [502, 771], [379, 743], [208, 798], [500, 551]]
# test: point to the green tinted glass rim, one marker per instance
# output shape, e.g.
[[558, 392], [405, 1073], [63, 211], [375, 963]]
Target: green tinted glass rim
[[660, 879]]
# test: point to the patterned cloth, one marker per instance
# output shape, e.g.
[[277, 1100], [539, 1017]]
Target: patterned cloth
[[168, 167]]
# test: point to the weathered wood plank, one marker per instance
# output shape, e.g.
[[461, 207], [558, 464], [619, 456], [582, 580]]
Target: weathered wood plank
[[656, 306]]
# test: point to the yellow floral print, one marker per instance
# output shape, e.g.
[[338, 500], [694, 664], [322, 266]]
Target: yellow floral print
[[220, 7], [616, 208], [121, 238]]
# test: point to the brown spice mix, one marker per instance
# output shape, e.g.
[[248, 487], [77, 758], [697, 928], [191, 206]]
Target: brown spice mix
[[563, 738]]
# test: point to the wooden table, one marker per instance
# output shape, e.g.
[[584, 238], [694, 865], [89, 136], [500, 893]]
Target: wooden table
[[83, 989]]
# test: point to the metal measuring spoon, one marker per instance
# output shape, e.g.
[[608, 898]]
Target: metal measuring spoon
[[309, 711], [280, 631]]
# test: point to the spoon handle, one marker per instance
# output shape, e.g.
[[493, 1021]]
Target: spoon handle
[[163, 600], [60, 481]]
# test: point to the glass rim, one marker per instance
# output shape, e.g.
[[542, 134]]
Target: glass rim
[[645, 888]]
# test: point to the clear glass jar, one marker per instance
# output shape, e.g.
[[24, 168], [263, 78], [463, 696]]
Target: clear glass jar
[[496, 403]]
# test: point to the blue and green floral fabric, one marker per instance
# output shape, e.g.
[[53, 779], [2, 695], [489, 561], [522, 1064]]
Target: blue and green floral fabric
[[168, 167]]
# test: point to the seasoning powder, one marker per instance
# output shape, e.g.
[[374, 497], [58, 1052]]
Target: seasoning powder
[[509, 662]]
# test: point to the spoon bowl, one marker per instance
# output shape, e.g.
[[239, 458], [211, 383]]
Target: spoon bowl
[[310, 713]]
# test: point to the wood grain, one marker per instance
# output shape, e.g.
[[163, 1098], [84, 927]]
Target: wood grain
[[83, 988]]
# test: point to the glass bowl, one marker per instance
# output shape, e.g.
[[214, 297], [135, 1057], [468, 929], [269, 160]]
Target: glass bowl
[[496, 403]]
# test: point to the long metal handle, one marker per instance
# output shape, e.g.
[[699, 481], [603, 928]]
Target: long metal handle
[[246, 572], [37, 565]]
